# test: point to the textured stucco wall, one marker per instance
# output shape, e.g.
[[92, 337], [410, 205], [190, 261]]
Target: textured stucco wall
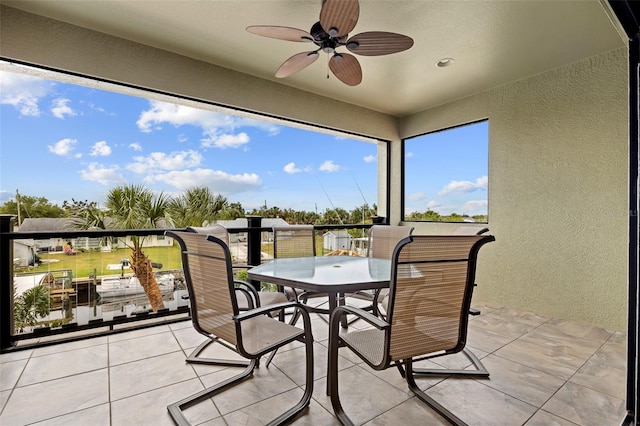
[[558, 165]]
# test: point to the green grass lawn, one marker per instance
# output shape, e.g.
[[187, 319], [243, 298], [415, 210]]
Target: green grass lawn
[[85, 263]]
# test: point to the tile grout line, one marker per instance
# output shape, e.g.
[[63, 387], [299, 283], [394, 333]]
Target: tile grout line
[[109, 380], [569, 378], [15, 385], [515, 397]]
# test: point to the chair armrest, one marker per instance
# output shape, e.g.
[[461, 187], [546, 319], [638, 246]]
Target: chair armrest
[[266, 309], [362, 314], [249, 291]]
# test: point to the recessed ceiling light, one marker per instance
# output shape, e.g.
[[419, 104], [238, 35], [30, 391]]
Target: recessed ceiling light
[[444, 62]]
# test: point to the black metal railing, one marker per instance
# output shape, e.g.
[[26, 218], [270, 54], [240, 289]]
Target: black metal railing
[[94, 320]]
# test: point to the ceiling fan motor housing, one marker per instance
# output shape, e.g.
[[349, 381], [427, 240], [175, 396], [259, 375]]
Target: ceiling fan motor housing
[[339, 18]]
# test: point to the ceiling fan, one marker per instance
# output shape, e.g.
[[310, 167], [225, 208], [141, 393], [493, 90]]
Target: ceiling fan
[[337, 19]]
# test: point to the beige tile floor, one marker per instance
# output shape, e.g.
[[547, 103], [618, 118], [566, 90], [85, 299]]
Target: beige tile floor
[[544, 371]]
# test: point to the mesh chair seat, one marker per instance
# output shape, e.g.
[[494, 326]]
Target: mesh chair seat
[[432, 281], [272, 297], [262, 334], [368, 343]]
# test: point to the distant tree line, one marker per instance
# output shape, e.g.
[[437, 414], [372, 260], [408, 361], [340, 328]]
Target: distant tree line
[[431, 216], [196, 206]]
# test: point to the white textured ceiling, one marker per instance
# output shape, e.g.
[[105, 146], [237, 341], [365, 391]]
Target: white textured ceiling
[[492, 42]]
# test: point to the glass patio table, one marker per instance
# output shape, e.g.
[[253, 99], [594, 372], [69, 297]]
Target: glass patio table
[[331, 275]]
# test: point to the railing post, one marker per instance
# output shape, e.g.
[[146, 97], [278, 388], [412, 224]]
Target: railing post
[[254, 244], [6, 281]]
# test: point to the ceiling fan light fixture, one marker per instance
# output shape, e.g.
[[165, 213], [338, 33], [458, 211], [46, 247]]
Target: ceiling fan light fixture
[[337, 19], [445, 62]]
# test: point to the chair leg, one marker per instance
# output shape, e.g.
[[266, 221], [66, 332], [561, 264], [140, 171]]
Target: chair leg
[[452, 418], [294, 319], [271, 355], [480, 370], [194, 359], [400, 369], [308, 390], [175, 409]]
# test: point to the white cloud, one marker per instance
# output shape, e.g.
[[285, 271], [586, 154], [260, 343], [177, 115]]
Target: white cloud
[[218, 129], [408, 154], [329, 166], [433, 204], [97, 108], [162, 161], [475, 207], [63, 147], [218, 181], [6, 195], [100, 149], [60, 108], [23, 92], [291, 168], [416, 196], [370, 159], [104, 175], [135, 146], [463, 186], [227, 141]]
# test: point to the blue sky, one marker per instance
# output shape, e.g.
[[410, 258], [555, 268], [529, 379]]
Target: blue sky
[[64, 141], [447, 171]]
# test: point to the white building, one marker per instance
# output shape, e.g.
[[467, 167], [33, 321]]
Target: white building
[[336, 240]]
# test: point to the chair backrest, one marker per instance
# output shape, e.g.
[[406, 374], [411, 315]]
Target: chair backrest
[[432, 280], [206, 262], [217, 231], [294, 241], [384, 238]]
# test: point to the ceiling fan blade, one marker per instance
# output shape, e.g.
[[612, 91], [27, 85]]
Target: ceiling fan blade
[[376, 43], [296, 63], [339, 17], [346, 68], [281, 33]]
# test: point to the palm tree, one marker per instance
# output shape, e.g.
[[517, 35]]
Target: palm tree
[[232, 211], [132, 207], [137, 207], [34, 303], [198, 206]]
